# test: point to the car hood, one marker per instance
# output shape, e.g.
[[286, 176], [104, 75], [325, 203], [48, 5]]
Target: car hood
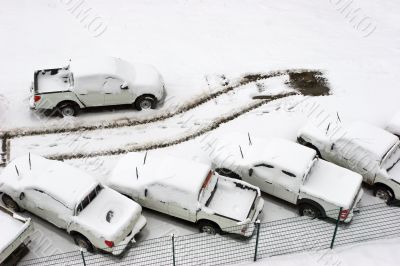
[[110, 215], [332, 183]]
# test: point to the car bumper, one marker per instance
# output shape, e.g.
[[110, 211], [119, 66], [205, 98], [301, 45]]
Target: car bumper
[[140, 224], [355, 208]]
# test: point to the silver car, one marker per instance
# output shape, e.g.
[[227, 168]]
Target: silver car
[[94, 82]]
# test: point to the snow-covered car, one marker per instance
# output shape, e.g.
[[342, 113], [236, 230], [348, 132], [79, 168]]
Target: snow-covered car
[[393, 125], [93, 82], [368, 150], [15, 233], [96, 216], [292, 172], [188, 190]]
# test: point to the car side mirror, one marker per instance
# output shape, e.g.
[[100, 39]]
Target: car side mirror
[[21, 196], [251, 171], [145, 192], [124, 86]]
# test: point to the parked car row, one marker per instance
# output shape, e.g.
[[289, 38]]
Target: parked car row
[[321, 173]]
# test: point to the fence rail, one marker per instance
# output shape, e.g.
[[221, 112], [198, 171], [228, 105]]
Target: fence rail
[[280, 237]]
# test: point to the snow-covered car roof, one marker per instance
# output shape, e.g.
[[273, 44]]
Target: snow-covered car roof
[[134, 74], [373, 139], [182, 177], [63, 182], [285, 154]]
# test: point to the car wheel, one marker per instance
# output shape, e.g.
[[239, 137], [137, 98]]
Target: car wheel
[[68, 109], [309, 211], [209, 227], [384, 193], [228, 173], [10, 203], [145, 102], [83, 242]]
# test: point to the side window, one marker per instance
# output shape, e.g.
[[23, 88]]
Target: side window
[[112, 85], [263, 165], [288, 173]]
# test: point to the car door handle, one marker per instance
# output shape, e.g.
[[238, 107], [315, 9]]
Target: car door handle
[[268, 182], [107, 93]]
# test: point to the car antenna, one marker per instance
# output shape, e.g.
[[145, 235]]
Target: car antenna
[[327, 128], [30, 163], [338, 117], [250, 143], [145, 157], [241, 152], [16, 169], [137, 173]]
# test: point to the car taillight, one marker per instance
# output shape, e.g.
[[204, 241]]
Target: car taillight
[[109, 244], [344, 214], [37, 98], [244, 229]]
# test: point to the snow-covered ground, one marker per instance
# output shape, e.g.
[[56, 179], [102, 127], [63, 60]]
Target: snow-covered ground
[[195, 44]]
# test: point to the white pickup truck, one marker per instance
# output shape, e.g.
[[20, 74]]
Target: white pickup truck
[[15, 232], [368, 150], [96, 216], [94, 82], [190, 191], [292, 172]]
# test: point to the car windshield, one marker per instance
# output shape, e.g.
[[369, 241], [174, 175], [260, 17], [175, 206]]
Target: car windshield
[[309, 169], [392, 157], [88, 199], [208, 188]]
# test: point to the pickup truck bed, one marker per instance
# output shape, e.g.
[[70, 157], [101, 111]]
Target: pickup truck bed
[[15, 230], [232, 199]]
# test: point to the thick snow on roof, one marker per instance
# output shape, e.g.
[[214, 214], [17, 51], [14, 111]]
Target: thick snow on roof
[[332, 183], [88, 66], [58, 179], [170, 174], [373, 139], [285, 154]]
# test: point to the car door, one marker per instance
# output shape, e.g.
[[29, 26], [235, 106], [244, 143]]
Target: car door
[[262, 176], [150, 199], [89, 90], [286, 186], [116, 92]]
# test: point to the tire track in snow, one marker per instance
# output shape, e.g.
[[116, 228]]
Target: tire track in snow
[[199, 129]]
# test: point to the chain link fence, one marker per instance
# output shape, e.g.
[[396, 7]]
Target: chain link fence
[[280, 237]]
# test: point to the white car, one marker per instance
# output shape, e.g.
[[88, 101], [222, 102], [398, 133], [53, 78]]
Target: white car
[[188, 190], [368, 150], [96, 216], [292, 172], [94, 82]]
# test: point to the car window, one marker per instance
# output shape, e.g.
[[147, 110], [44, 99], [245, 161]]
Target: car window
[[288, 173], [263, 165], [89, 198]]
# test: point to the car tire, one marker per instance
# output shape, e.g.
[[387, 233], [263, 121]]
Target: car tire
[[384, 193], [209, 227], [309, 210], [145, 102], [68, 109], [83, 242], [228, 173], [10, 203]]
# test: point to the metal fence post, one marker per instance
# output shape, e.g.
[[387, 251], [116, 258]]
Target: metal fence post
[[257, 224], [173, 249], [83, 258], [336, 227]]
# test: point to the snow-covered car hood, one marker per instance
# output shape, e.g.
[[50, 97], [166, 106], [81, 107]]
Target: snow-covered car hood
[[332, 183], [110, 215]]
